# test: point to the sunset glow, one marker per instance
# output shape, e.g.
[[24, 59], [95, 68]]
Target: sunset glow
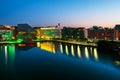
[[74, 13]]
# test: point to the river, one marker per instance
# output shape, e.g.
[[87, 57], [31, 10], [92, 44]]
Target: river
[[57, 60]]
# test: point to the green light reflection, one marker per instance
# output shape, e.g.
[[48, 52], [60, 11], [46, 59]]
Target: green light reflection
[[11, 50]]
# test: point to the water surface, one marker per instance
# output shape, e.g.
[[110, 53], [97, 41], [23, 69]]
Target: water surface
[[53, 60]]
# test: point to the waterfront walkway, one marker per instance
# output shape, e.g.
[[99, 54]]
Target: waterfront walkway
[[78, 43]]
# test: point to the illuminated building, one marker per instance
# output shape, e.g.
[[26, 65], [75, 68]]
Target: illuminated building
[[7, 32], [49, 32], [25, 32]]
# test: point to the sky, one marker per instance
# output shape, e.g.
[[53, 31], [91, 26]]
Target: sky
[[73, 13]]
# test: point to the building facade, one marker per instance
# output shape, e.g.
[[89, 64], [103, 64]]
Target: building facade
[[25, 32], [117, 32], [71, 33], [49, 32], [7, 32], [99, 33]]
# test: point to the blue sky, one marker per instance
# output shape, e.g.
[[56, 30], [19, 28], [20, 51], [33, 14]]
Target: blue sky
[[84, 13]]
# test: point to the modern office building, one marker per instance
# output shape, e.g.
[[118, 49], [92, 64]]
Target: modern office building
[[48, 32]]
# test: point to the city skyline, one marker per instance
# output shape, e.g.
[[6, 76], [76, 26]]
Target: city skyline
[[78, 13]]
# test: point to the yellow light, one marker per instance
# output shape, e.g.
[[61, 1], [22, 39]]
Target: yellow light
[[13, 37], [6, 55], [61, 48], [21, 44], [95, 54], [66, 47], [79, 52], [47, 46], [117, 63], [91, 50], [72, 50], [38, 44], [86, 53]]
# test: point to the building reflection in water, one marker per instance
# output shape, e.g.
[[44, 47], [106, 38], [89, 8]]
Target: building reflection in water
[[79, 52], [8, 56], [95, 54], [91, 50], [48, 46], [7, 52], [61, 48], [11, 50], [86, 53], [74, 50], [117, 63], [66, 48], [38, 44], [70, 49]]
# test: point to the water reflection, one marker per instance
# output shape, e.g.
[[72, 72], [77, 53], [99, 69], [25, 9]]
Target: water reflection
[[12, 52], [91, 50], [117, 63], [95, 54], [72, 50], [86, 53], [61, 48], [48, 46], [8, 51], [6, 55], [79, 52], [66, 48]]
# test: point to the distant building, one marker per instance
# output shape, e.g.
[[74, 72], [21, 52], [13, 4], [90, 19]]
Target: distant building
[[110, 34], [7, 32], [117, 32], [48, 32], [72, 33], [25, 32], [96, 33], [99, 33]]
